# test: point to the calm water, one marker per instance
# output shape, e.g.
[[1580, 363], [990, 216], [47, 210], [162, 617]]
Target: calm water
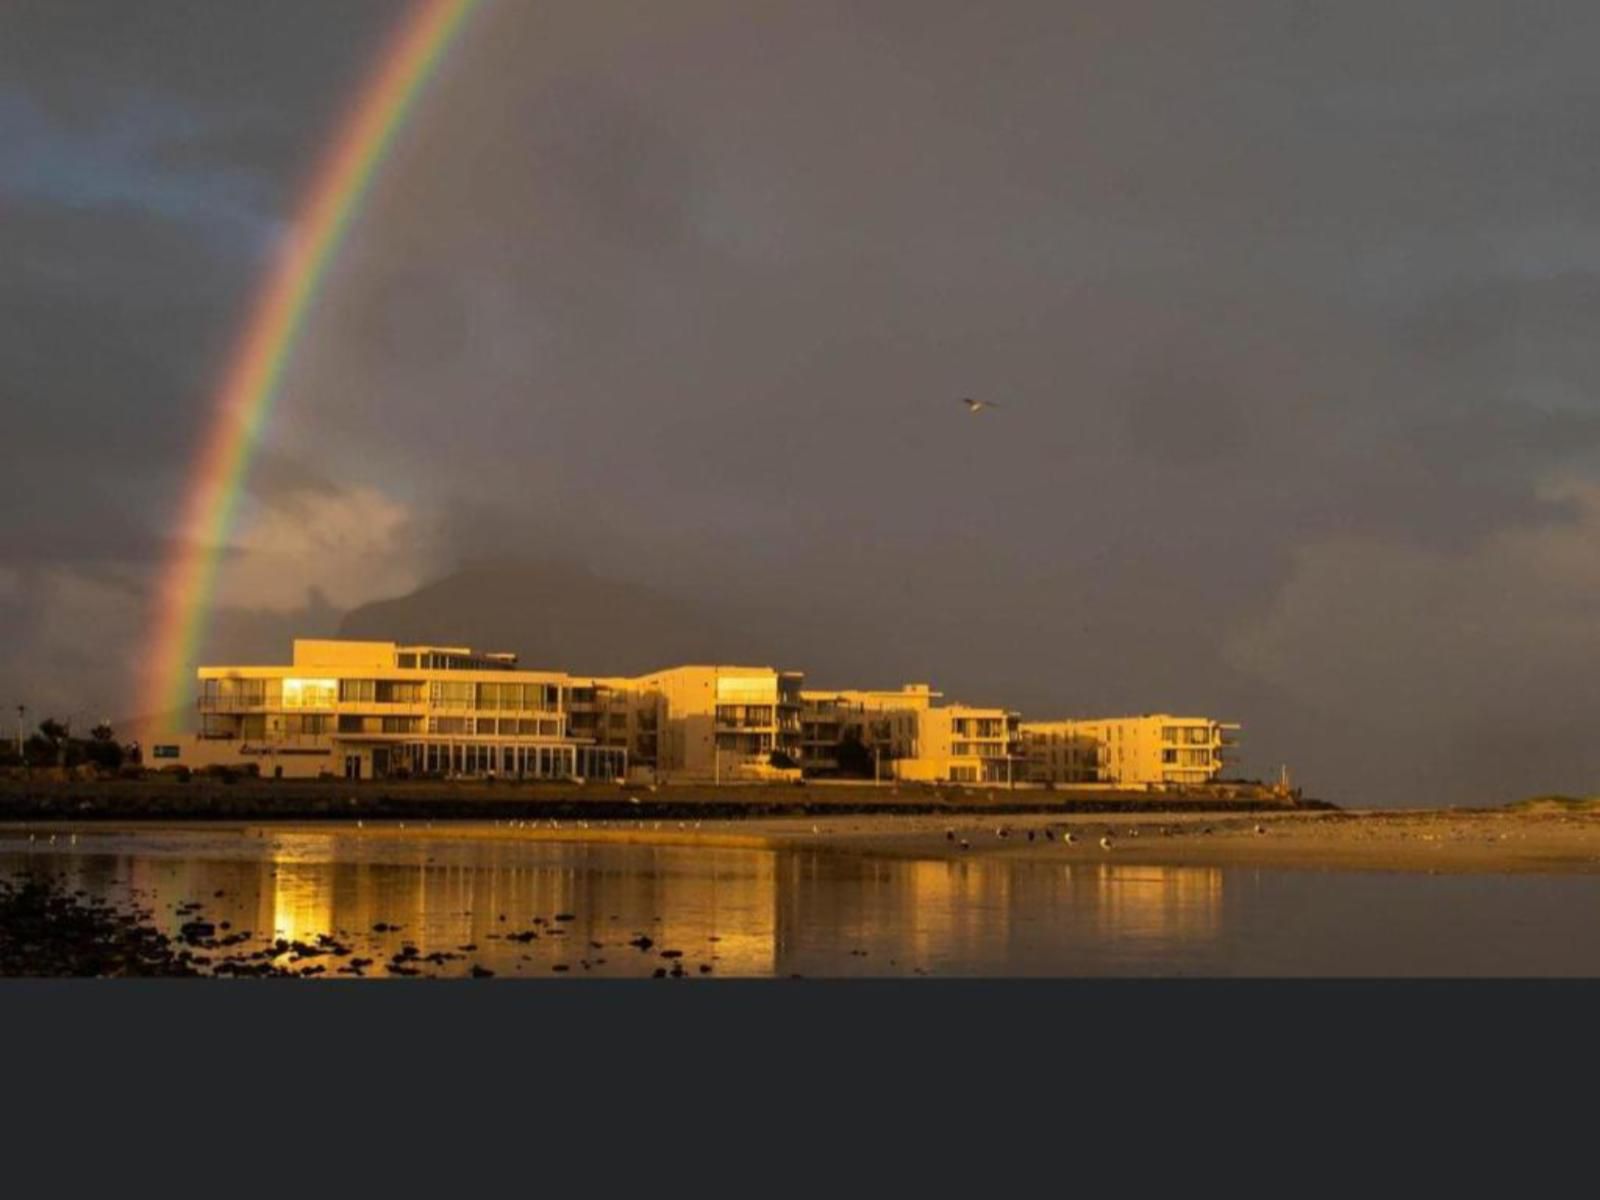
[[760, 913]]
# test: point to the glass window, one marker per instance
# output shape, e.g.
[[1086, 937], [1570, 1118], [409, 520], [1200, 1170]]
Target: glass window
[[357, 691], [309, 693]]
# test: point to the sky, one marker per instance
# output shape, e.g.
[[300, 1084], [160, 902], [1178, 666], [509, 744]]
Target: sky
[[1287, 310]]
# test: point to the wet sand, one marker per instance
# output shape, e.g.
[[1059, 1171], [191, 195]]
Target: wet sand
[[1450, 840]]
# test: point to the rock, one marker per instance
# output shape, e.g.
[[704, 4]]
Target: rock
[[481, 972]]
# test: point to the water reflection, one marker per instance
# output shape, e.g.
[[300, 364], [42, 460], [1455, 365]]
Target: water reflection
[[1159, 903], [495, 902]]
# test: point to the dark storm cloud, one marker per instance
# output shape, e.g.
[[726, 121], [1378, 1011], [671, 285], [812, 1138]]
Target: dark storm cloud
[[1288, 309]]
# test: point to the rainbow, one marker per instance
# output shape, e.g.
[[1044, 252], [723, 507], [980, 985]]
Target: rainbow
[[250, 380]]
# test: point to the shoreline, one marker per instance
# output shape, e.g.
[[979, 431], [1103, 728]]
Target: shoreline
[[321, 800], [1431, 841]]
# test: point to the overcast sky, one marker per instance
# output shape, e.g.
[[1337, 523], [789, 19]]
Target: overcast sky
[[1289, 310]]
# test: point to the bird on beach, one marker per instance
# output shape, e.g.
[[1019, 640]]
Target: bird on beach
[[1049, 835], [814, 829], [1068, 838], [949, 835], [1261, 828], [1105, 843]]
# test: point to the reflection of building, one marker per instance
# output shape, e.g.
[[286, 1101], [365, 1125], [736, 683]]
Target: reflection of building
[[1137, 751], [1165, 903], [300, 899]]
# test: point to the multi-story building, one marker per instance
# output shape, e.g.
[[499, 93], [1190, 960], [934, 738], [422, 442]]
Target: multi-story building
[[378, 709], [366, 710], [961, 743], [885, 723], [718, 722], [1143, 751]]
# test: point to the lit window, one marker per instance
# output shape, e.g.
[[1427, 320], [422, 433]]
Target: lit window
[[309, 693]]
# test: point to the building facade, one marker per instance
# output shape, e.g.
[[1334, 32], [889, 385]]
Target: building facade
[[885, 723], [374, 710], [963, 743], [720, 723], [1145, 751]]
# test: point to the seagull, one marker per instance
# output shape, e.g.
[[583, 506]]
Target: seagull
[[1105, 843], [1068, 838], [1261, 828], [977, 406]]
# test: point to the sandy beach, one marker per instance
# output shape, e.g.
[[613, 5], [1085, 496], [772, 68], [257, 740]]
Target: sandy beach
[[1436, 841]]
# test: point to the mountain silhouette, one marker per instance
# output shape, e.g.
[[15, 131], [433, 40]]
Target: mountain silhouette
[[562, 616]]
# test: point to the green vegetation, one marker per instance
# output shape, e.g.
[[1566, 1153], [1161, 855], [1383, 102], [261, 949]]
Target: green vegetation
[[1556, 803], [53, 745], [854, 757]]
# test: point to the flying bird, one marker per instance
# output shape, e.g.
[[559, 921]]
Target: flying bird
[[977, 406]]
